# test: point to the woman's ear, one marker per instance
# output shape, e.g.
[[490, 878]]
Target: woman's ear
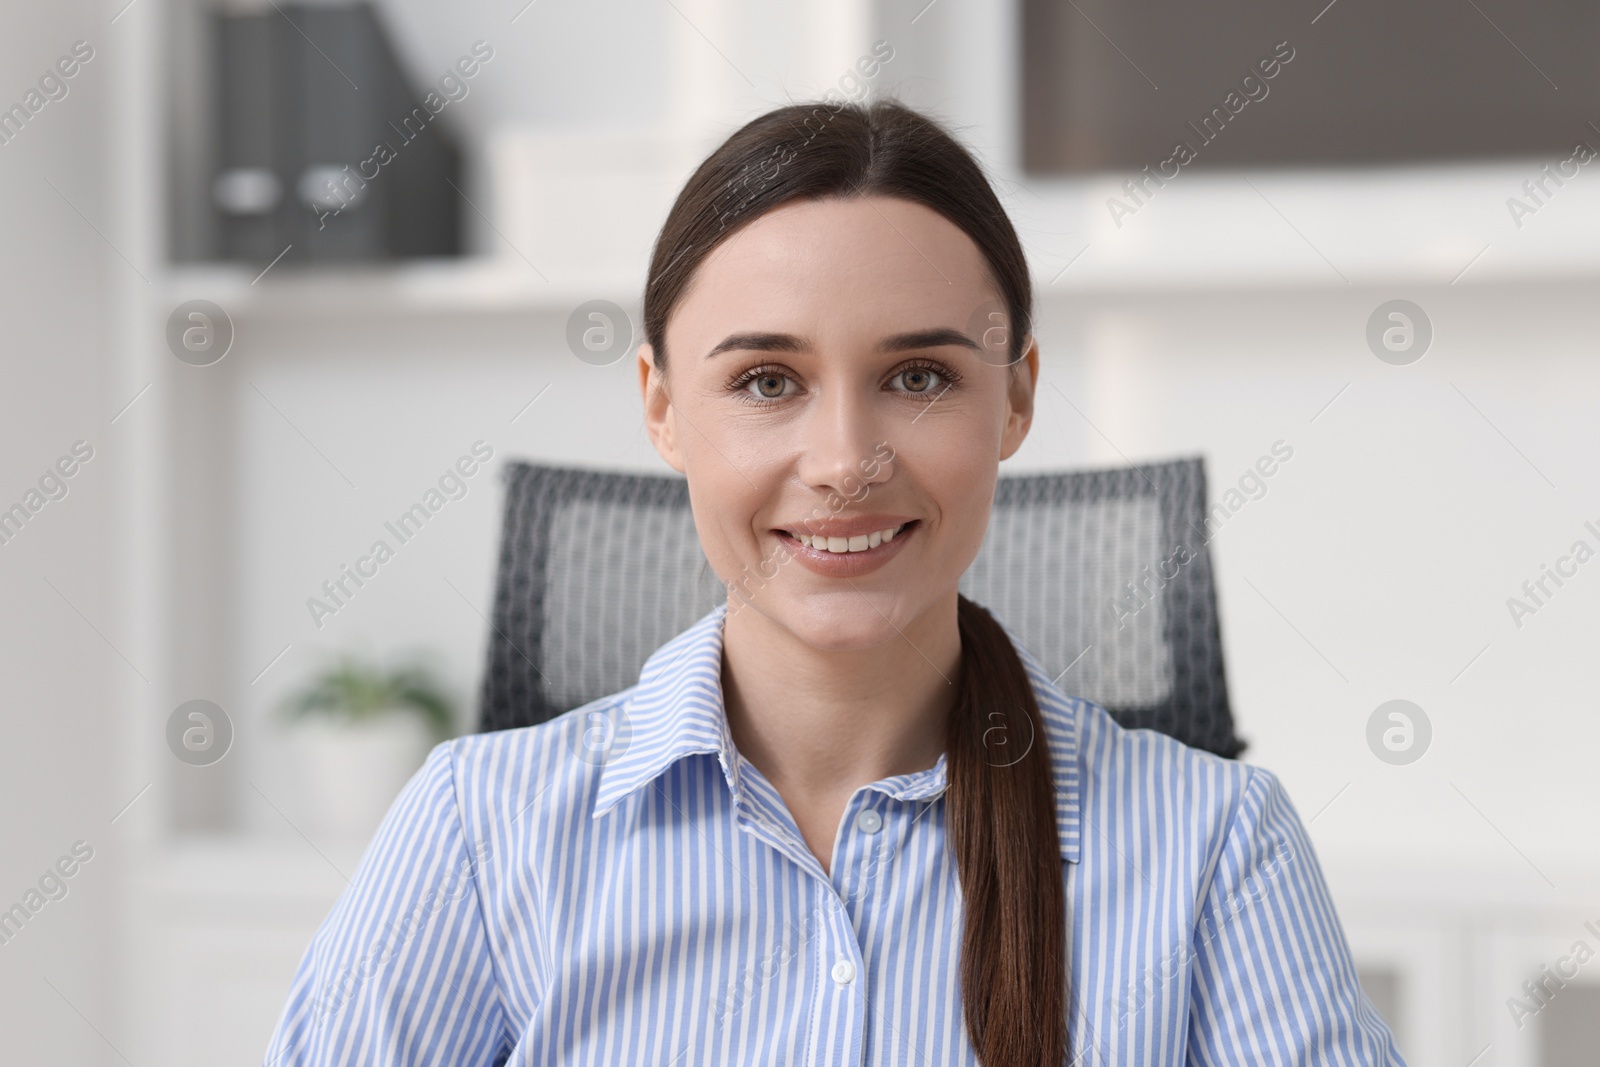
[[659, 418], [1024, 377]]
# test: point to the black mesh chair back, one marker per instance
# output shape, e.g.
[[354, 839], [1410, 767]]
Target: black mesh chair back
[[1103, 575]]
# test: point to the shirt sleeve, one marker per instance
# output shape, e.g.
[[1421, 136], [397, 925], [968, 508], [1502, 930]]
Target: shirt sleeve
[[1273, 979], [400, 971]]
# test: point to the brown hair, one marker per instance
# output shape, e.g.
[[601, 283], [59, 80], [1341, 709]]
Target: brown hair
[[1001, 805]]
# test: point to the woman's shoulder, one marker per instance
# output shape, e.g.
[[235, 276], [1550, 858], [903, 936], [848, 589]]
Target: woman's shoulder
[[583, 733], [1112, 748], [1112, 774], [556, 764]]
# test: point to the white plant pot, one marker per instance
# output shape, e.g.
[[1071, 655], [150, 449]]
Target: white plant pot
[[353, 770]]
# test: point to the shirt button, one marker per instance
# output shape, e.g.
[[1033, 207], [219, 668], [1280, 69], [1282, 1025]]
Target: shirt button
[[869, 822], [844, 971]]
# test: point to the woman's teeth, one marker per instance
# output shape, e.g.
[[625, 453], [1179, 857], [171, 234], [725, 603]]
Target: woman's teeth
[[849, 544]]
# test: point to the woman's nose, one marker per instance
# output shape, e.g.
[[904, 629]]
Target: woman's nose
[[844, 447]]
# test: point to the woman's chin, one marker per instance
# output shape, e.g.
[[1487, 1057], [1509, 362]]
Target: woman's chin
[[844, 621]]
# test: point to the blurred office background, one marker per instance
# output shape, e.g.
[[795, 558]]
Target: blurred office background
[[1437, 154]]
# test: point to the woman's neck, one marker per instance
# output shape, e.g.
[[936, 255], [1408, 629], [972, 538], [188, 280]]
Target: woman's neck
[[820, 724]]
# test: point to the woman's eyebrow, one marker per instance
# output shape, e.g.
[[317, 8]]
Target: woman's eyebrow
[[788, 342], [935, 338], [758, 342]]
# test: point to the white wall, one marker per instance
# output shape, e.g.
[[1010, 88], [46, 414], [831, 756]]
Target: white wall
[[1390, 542], [57, 673]]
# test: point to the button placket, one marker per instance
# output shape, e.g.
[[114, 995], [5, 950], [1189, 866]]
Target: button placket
[[874, 845], [861, 863]]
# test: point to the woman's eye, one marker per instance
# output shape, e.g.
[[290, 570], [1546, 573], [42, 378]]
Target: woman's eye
[[769, 386], [918, 380]]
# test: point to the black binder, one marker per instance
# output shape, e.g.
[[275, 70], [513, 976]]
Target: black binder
[[314, 91]]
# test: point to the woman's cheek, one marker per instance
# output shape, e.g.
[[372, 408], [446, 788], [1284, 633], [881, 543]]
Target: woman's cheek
[[958, 477]]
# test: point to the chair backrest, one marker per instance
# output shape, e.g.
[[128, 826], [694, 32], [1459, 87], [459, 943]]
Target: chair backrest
[[1103, 575]]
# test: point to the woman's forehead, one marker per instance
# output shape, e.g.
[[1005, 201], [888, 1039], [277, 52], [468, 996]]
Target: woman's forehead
[[872, 264], [884, 230]]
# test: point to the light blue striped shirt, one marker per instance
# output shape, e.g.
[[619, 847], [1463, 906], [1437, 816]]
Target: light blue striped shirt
[[619, 886]]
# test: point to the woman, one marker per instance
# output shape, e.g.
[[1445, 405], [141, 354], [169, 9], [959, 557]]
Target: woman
[[842, 819]]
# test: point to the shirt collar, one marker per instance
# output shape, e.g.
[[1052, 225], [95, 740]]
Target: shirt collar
[[676, 710]]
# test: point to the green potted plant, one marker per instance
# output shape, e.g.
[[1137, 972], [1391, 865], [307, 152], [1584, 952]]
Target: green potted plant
[[361, 730]]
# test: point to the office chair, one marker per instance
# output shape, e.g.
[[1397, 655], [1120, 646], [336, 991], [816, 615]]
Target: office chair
[[1103, 575]]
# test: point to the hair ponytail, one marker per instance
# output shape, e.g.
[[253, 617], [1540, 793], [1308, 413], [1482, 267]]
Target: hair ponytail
[[1001, 807], [1001, 812]]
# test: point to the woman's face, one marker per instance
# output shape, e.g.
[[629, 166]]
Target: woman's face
[[824, 380]]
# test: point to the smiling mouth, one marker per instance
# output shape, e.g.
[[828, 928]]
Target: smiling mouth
[[846, 545]]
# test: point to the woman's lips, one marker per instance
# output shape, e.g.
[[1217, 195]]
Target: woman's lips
[[848, 564]]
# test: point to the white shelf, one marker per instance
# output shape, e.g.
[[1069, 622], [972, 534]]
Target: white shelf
[[468, 286], [1227, 231], [1424, 226]]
